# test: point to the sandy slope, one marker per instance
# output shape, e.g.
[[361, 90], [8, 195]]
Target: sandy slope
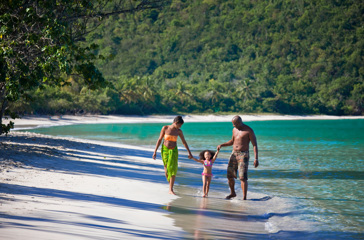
[[63, 188], [57, 188]]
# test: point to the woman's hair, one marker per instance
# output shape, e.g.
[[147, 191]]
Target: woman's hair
[[202, 154], [178, 119]]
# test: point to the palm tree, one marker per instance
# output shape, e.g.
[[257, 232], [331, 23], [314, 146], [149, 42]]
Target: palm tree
[[182, 92], [216, 92], [244, 90]]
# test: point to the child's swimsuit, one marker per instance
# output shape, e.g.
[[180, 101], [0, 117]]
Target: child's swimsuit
[[207, 174], [207, 164]]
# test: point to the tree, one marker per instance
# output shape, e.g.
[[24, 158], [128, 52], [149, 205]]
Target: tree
[[41, 43], [244, 90]]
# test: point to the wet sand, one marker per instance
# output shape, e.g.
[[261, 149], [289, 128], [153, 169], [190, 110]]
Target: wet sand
[[65, 188], [60, 188]]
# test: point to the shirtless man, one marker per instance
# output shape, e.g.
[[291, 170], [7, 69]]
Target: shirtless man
[[239, 159]]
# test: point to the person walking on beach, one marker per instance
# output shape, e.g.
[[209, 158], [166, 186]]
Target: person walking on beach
[[207, 158], [169, 150], [239, 159]]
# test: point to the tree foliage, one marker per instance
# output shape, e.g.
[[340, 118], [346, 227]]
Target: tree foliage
[[295, 57], [42, 43]]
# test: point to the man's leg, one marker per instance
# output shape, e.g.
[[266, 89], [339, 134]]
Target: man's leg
[[232, 188], [244, 187], [243, 173]]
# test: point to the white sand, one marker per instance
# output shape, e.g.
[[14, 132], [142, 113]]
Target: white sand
[[32, 121], [57, 188], [61, 188]]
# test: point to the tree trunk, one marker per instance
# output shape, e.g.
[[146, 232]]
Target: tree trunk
[[4, 103]]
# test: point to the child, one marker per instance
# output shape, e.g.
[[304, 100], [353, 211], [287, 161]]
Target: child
[[205, 159]]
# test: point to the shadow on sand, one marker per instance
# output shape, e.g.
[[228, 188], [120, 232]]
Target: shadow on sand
[[72, 157], [200, 219]]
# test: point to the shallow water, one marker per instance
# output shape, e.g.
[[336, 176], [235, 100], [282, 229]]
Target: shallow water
[[309, 182]]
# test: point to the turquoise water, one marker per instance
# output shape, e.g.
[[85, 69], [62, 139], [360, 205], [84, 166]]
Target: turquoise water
[[315, 165]]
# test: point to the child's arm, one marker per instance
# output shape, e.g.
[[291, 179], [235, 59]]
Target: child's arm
[[197, 160], [215, 156]]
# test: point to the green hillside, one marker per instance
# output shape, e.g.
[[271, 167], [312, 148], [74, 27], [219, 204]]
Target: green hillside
[[292, 57]]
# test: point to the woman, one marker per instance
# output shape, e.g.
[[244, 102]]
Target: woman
[[169, 151]]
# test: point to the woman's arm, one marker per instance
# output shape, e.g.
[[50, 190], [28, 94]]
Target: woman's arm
[[180, 134], [159, 141]]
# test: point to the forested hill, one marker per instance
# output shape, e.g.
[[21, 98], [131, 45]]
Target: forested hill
[[293, 57]]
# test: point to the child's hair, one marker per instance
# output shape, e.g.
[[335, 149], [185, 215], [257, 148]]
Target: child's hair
[[202, 154], [178, 119]]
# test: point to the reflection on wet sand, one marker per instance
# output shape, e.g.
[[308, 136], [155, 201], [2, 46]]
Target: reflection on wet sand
[[217, 218]]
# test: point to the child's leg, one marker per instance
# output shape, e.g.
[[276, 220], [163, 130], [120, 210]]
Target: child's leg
[[208, 181], [204, 185]]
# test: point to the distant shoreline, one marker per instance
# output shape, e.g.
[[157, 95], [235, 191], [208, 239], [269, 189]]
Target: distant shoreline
[[33, 121]]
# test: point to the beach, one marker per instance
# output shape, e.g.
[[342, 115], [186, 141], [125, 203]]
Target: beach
[[45, 121], [56, 188], [67, 188]]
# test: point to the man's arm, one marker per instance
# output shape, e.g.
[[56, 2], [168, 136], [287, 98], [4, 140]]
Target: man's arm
[[253, 139], [229, 143]]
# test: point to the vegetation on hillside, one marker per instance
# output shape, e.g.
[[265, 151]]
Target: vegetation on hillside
[[292, 57], [42, 45]]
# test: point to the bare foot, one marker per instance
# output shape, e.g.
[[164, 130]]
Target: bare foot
[[171, 192], [230, 196], [204, 195]]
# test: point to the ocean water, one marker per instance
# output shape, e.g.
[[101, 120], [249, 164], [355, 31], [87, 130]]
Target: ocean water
[[310, 182]]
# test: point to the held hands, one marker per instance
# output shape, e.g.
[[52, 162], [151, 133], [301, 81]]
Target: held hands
[[193, 158]]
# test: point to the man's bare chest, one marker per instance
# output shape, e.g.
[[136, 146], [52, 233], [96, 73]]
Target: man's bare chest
[[238, 134]]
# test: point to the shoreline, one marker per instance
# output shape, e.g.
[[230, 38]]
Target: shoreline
[[55, 187], [33, 121], [61, 187]]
